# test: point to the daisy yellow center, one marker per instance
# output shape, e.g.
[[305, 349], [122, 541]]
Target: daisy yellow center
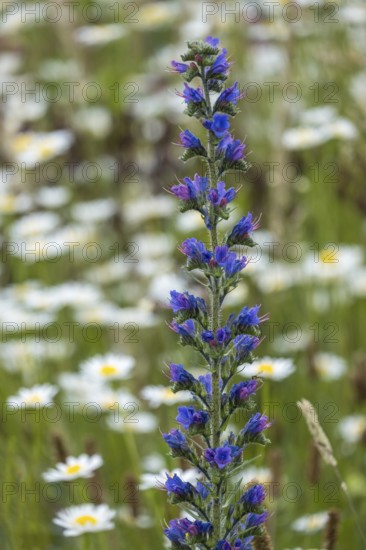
[[21, 143], [45, 150], [33, 399], [168, 394], [266, 368], [328, 257], [84, 520], [108, 370], [74, 469], [8, 203], [313, 523]]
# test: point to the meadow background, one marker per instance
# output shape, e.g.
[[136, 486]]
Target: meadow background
[[89, 119]]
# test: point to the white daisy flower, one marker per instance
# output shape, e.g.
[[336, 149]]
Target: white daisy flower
[[153, 481], [34, 225], [40, 394], [86, 518], [147, 208], [304, 138], [31, 147], [329, 366], [311, 523], [142, 521], [91, 35], [274, 368], [333, 262], [107, 367], [132, 421], [96, 121], [75, 467], [94, 211], [352, 428], [162, 395], [52, 197]]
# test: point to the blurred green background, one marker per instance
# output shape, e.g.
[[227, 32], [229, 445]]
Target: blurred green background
[[89, 121]]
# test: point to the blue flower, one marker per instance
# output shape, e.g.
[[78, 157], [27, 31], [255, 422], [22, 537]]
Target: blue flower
[[248, 317], [196, 250], [179, 67], [189, 140], [176, 440], [254, 496], [256, 424], [191, 189], [186, 330], [219, 67], [206, 381], [181, 531], [241, 391], [190, 94], [221, 337], [179, 375], [188, 416], [241, 230], [229, 260], [244, 344], [230, 95], [212, 41], [183, 301], [232, 149], [202, 490], [219, 124], [222, 456], [220, 196], [177, 486], [253, 520], [234, 265], [221, 255]]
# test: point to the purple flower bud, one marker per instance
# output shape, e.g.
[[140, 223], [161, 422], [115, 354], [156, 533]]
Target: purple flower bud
[[188, 416], [212, 41], [248, 317], [241, 230], [219, 67], [222, 456], [253, 520], [191, 189], [206, 381], [230, 95], [186, 330], [175, 485], [196, 250], [233, 150], [190, 94], [179, 67], [244, 344], [220, 197], [241, 391], [176, 440], [256, 424], [254, 496], [178, 375], [189, 140]]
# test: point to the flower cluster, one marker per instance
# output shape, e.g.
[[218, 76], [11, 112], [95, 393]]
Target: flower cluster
[[217, 522]]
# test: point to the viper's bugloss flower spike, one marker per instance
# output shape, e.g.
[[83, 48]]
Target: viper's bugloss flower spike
[[221, 523]]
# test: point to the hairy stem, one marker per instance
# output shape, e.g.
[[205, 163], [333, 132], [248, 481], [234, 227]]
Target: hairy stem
[[214, 325]]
